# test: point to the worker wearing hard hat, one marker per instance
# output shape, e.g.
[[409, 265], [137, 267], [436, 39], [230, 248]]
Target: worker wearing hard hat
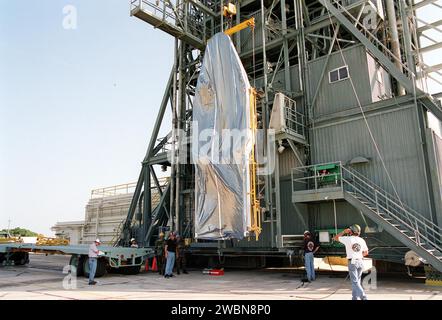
[[356, 249], [93, 256], [159, 253], [133, 243]]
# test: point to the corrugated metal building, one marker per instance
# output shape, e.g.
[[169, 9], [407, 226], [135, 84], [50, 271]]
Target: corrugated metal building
[[340, 65]]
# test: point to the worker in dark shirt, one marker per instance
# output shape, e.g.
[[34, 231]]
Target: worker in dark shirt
[[170, 254], [159, 253], [181, 256], [310, 248]]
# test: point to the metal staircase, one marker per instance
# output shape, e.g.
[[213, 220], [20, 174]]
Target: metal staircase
[[405, 224], [402, 222]]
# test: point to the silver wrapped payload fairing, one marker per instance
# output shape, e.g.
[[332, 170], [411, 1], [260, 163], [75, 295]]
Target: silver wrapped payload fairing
[[222, 142]]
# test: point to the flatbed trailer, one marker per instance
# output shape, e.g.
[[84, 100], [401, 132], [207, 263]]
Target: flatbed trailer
[[113, 259]]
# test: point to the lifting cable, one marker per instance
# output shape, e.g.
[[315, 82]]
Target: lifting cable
[[253, 58], [339, 286]]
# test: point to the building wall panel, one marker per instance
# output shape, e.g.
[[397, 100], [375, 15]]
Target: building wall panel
[[396, 135]]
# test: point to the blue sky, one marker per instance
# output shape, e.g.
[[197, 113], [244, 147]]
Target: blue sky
[[77, 106]]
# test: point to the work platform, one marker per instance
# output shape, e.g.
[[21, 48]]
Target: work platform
[[322, 183], [163, 17]]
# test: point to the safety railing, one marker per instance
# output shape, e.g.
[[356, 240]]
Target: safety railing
[[318, 176], [180, 14], [332, 175], [295, 122], [121, 189]]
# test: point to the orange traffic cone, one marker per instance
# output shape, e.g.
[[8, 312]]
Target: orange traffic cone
[[154, 265], [146, 267]]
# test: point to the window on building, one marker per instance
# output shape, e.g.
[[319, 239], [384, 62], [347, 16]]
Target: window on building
[[343, 73], [334, 76], [339, 74]]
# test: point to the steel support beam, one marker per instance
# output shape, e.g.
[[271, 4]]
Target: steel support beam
[[204, 8], [430, 26], [147, 202], [160, 116], [422, 4], [430, 48], [288, 82]]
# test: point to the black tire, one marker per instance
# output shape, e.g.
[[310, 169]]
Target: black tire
[[101, 267], [77, 262], [2, 258], [132, 270], [21, 258]]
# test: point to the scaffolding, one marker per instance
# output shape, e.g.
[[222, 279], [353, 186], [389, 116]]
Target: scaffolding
[[288, 38]]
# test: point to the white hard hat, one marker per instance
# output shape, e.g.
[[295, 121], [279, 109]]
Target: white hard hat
[[133, 239], [97, 240]]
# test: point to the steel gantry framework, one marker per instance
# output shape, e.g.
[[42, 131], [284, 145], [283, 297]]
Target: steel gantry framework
[[288, 36]]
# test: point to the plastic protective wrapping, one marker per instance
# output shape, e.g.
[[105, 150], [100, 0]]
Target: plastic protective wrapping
[[221, 144]]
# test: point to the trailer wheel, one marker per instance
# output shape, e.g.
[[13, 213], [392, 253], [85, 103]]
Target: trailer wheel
[[101, 267], [21, 258], [77, 262], [132, 270]]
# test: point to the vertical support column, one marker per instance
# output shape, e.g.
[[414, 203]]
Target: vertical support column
[[421, 114], [278, 204], [222, 16], [266, 120], [147, 217], [395, 44], [238, 21], [407, 37], [303, 68], [174, 137], [288, 87], [288, 82], [180, 125]]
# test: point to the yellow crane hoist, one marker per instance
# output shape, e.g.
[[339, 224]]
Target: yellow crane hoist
[[249, 23]]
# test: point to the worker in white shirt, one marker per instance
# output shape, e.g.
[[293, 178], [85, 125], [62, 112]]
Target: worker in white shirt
[[93, 255], [133, 243], [356, 249]]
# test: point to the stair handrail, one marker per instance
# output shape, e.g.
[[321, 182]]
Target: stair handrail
[[359, 190], [415, 222], [393, 199]]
